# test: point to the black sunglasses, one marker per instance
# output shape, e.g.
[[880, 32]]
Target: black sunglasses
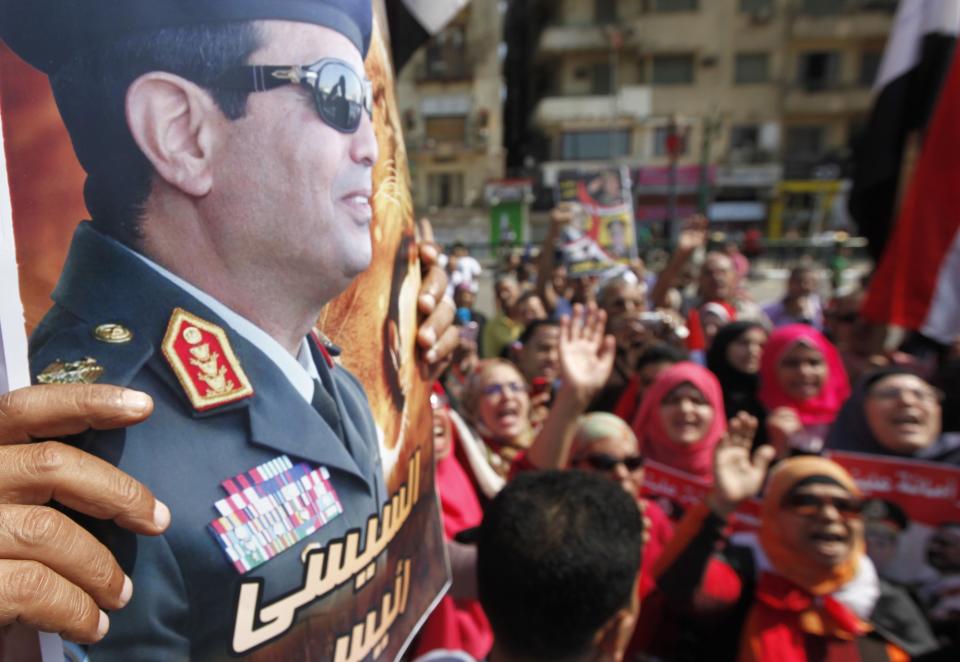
[[808, 505], [340, 93], [605, 462]]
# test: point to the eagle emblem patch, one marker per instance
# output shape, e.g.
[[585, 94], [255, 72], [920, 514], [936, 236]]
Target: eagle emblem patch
[[203, 361]]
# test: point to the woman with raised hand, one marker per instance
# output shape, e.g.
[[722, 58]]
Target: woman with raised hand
[[682, 419], [799, 589], [496, 401], [803, 384]]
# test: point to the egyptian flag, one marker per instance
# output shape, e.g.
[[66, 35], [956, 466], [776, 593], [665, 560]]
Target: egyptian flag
[[917, 282], [413, 22], [908, 83]]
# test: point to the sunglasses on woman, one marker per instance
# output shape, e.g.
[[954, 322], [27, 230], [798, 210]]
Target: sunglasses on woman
[[809, 505], [340, 93], [605, 462]]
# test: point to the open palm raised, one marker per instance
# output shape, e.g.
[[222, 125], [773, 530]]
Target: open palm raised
[[586, 353], [736, 474]]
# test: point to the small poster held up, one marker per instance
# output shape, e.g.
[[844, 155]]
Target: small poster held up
[[606, 198]]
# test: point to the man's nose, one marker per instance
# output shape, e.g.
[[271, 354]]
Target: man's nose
[[363, 144]]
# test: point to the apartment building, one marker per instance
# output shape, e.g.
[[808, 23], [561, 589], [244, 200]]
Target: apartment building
[[711, 102]]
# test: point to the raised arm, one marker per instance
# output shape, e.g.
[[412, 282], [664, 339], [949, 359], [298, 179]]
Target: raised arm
[[692, 237], [560, 217], [586, 359]]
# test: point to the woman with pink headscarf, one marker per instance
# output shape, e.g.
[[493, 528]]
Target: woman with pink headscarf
[[682, 419], [803, 384]]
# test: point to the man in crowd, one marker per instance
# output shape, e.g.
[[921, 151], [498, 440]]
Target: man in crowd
[[801, 304], [505, 327], [558, 557], [229, 197]]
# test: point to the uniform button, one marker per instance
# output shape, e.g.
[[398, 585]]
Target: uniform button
[[113, 333]]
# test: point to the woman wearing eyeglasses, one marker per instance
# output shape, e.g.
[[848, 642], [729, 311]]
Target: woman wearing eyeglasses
[[894, 412], [496, 401], [799, 589], [682, 419]]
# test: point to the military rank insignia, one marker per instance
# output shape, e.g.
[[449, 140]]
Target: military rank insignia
[[84, 371], [271, 508], [203, 361]]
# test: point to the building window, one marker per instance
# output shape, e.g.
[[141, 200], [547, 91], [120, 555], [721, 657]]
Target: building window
[[446, 129], [818, 70], [805, 143], [605, 11], [661, 135], [672, 70], [745, 138], [869, 66], [446, 56], [752, 68], [445, 189], [756, 6], [601, 78], [822, 7], [675, 5], [595, 144]]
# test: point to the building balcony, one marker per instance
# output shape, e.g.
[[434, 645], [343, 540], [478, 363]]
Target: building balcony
[[844, 25], [632, 102], [420, 145], [840, 100], [570, 38]]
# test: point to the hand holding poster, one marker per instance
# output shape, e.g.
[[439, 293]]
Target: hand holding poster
[[304, 518]]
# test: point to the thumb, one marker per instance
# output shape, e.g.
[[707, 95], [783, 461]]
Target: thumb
[[763, 456]]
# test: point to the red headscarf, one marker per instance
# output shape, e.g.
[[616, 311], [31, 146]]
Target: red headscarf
[[656, 444], [821, 408]]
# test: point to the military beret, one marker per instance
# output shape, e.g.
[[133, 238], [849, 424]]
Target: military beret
[[47, 33]]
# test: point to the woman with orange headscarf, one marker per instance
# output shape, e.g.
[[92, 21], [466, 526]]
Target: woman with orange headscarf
[[800, 589], [681, 419]]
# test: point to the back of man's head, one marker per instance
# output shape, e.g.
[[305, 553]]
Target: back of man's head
[[558, 557]]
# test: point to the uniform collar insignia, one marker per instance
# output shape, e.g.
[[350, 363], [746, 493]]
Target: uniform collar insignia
[[201, 357], [329, 350], [84, 371]]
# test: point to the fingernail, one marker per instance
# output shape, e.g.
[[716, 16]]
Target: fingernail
[[127, 592], [161, 514], [428, 301], [103, 625], [429, 336], [137, 401], [431, 356]]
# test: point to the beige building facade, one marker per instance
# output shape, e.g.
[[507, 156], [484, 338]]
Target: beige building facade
[[754, 91]]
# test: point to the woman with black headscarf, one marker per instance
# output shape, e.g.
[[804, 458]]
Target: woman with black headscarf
[[734, 357]]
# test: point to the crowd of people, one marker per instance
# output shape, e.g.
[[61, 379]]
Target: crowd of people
[[583, 377]]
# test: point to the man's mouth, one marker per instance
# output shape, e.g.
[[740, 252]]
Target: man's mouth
[[358, 202]]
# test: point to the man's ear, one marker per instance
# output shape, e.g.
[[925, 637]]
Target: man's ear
[[175, 122], [613, 638]]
